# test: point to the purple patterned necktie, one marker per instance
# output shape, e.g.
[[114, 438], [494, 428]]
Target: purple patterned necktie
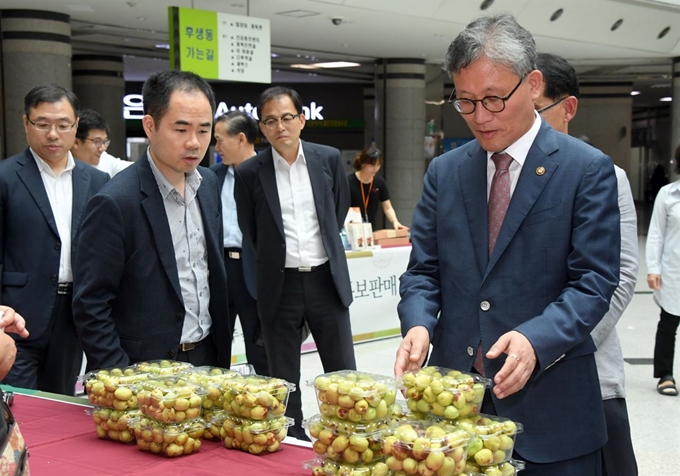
[[499, 199]]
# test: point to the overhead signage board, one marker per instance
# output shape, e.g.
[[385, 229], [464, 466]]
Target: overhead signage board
[[218, 45]]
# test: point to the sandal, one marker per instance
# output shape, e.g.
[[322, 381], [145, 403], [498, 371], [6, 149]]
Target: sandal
[[668, 389]]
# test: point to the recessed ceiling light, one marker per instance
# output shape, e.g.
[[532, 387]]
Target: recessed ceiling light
[[666, 99], [275, 55], [663, 32], [331, 64], [635, 93], [557, 14], [486, 4], [617, 24], [162, 46], [298, 13]]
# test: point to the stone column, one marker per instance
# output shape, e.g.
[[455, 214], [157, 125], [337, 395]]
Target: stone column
[[400, 129], [99, 84], [36, 49], [369, 115]]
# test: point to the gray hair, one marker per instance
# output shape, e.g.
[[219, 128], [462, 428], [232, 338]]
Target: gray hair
[[500, 39]]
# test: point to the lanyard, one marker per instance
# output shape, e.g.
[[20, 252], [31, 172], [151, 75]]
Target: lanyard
[[366, 197]]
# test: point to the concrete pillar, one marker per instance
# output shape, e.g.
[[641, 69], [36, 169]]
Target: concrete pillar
[[400, 129], [675, 118], [36, 49], [369, 115], [99, 84]]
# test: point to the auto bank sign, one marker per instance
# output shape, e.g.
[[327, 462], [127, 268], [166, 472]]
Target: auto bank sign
[[133, 108]]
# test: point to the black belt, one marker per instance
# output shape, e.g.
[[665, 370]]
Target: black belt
[[188, 346], [65, 288], [306, 269], [233, 253]]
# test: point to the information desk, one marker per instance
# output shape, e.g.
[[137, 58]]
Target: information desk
[[61, 441], [375, 286]]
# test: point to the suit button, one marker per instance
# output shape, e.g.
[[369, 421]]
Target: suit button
[[57, 246], [471, 351], [281, 271], [485, 306], [171, 354], [53, 278], [179, 316], [283, 245]]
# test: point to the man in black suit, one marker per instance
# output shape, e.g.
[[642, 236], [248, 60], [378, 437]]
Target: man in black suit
[[235, 135], [292, 200], [43, 192], [150, 280]]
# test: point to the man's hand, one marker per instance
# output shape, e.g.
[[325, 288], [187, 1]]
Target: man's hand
[[654, 281], [8, 352], [413, 350], [12, 321], [518, 366]]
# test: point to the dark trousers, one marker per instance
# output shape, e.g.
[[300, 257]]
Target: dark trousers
[[664, 348], [309, 297], [204, 354], [243, 304], [618, 457], [50, 362]]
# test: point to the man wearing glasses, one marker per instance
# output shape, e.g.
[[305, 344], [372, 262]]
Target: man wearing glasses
[[292, 199], [92, 142], [515, 255], [43, 193]]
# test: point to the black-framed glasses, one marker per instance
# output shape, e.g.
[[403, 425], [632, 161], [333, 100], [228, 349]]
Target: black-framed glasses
[[543, 109], [100, 143], [490, 103], [286, 119], [62, 128]]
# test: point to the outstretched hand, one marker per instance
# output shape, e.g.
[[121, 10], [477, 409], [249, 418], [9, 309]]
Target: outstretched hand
[[519, 363], [412, 350]]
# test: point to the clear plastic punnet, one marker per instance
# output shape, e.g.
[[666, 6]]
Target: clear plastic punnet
[[508, 468], [172, 399], [345, 441], [112, 424], [115, 388], [253, 436], [256, 397], [319, 466], [168, 439], [493, 438], [162, 367]]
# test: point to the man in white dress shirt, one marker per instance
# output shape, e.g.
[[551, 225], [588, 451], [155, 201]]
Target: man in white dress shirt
[[92, 141]]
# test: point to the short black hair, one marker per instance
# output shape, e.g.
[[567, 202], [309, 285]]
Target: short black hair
[[237, 122], [276, 91], [159, 87], [50, 93], [559, 76], [90, 119]]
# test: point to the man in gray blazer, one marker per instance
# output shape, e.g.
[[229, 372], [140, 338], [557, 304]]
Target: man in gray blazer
[[149, 279], [43, 193]]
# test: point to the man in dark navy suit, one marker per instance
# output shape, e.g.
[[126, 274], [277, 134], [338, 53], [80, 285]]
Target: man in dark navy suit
[[150, 280], [235, 136], [43, 193]]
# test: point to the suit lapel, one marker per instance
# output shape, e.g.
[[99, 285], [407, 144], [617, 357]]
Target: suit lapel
[[315, 168], [529, 187], [81, 184], [29, 174], [158, 220], [208, 207], [221, 173], [472, 178], [269, 188]]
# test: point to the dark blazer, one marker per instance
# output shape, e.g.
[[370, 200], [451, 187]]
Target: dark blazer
[[247, 253], [29, 239], [127, 301], [259, 215], [551, 276]]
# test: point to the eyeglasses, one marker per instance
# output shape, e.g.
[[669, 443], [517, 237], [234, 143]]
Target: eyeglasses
[[272, 122], [61, 128], [490, 103], [543, 109], [100, 143]]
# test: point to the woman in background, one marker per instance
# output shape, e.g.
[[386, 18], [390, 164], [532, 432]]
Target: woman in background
[[369, 190], [663, 268]]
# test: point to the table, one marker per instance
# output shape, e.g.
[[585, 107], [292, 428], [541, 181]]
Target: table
[[61, 440]]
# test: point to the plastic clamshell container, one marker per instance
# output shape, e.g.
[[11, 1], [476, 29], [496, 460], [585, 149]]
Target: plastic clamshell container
[[256, 397], [113, 387], [162, 367], [400, 412], [254, 436], [508, 468], [437, 445], [493, 438], [344, 441], [355, 396], [168, 439], [327, 467], [211, 379], [445, 393], [170, 399], [112, 424]]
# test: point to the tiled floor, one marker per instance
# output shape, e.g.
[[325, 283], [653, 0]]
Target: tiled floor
[[655, 419]]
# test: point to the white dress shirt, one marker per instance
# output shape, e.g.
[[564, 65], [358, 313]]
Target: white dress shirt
[[59, 190], [304, 246], [111, 165], [518, 151], [663, 247], [233, 237]]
